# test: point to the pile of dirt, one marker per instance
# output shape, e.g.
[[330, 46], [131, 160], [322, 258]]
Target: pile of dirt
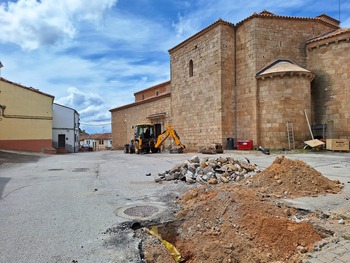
[[292, 178], [231, 223]]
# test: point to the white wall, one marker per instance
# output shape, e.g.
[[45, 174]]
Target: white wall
[[65, 121]]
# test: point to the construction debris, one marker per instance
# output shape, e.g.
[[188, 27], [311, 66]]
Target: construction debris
[[264, 150], [217, 148], [247, 221], [210, 170]]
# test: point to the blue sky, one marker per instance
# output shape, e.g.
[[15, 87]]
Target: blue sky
[[94, 55]]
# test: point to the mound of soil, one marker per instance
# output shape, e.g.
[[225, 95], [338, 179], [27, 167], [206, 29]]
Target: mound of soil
[[292, 178], [231, 223]]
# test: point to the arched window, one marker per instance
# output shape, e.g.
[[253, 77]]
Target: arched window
[[190, 66]]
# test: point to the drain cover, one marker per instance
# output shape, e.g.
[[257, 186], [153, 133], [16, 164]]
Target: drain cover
[[80, 170], [141, 211]]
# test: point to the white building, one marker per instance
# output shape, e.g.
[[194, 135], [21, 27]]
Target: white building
[[65, 128], [97, 141]]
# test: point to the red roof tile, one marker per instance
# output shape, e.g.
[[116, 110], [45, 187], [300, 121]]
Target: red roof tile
[[331, 34], [97, 136]]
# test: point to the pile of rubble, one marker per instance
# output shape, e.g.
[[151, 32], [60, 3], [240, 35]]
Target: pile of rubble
[[210, 170]]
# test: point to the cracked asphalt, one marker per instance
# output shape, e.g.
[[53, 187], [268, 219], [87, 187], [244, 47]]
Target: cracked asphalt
[[67, 208]]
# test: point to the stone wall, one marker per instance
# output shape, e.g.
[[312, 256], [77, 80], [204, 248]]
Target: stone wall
[[123, 118], [259, 42], [152, 92], [246, 82], [227, 84], [283, 99], [329, 60], [197, 105]]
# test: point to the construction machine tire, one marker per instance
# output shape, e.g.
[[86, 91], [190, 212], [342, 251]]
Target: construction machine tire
[[154, 150], [136, 146], [126, 149]]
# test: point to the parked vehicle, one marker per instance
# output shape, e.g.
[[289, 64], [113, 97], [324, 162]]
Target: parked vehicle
[[146, 141], [86, 147]]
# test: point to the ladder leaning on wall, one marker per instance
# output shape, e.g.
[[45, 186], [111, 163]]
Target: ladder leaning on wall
[[290, 135]]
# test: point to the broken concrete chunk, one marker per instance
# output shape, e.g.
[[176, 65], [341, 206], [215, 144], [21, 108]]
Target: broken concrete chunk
[[213, 181], [224, 179], [195, 159], [169, 177], [219, 170]]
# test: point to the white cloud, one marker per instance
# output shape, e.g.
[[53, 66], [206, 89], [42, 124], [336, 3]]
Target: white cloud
[[31, 24], [90, 106]]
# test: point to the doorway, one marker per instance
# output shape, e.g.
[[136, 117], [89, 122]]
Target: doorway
[[61, 141], [157, 129]]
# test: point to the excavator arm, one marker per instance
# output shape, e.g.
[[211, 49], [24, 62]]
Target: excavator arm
[[169, 131]]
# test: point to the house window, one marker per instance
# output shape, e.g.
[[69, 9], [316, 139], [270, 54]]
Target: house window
[[157, 93], [142, 96], [101, 142], [190, 66]]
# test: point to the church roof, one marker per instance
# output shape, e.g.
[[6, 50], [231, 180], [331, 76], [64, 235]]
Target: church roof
[[334, 33], [264, 14], [282, 67]]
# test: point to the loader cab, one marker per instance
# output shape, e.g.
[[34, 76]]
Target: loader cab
[[144, 131]]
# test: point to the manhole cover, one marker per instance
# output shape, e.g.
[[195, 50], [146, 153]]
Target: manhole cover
[[141, 211], [80, 170]]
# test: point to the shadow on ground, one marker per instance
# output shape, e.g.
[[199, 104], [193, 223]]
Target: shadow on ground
[[7, 157], [3, 182]]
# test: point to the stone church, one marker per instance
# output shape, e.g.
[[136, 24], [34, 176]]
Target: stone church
[[249, 81]]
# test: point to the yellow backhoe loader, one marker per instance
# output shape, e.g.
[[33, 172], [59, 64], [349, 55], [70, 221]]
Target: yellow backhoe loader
[[145, 140]]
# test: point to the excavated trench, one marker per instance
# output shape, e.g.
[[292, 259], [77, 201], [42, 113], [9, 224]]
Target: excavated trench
[[135, 232]]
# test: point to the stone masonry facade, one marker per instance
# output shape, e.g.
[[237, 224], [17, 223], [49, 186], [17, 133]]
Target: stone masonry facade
[[329, 59], [216, 92]]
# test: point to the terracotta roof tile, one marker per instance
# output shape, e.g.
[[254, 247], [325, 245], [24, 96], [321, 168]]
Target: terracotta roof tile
[[279, 66], [323, 18], [331, 34], [264, 14], [97, 136]]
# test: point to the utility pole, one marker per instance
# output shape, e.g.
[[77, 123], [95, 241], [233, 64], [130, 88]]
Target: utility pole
[[1, 66], [339, 11], [2, 108]]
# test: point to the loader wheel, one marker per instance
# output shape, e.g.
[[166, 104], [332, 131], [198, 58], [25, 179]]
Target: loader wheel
[[154, 150], [126, 149], [137, 150]]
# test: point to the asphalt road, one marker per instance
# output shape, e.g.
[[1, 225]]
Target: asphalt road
[[69, 208]]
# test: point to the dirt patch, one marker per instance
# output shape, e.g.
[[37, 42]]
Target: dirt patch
[[233, 224], [245, 222], [292, 178]]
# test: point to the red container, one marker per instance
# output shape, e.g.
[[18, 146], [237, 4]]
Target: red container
[[244, 145]]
